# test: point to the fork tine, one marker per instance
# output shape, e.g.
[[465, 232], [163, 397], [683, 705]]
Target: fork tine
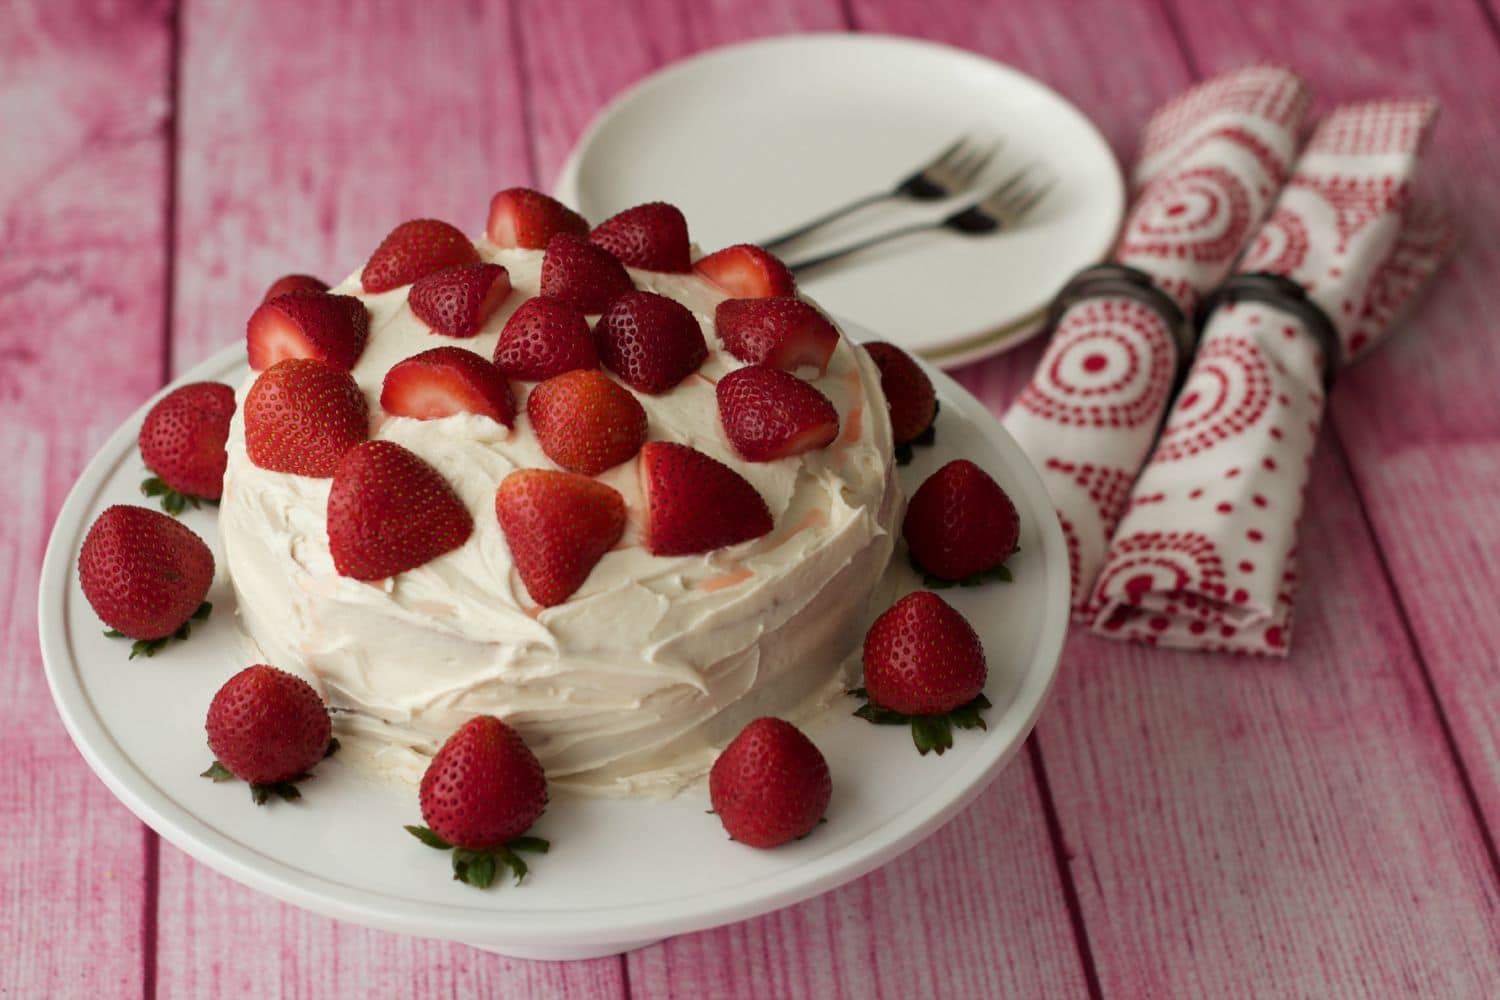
[[996, 196], [942, 158], [980, 160], [1032, 196]]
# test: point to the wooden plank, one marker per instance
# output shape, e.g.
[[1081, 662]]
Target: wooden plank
[[1236, 827], [983, 896], [308, 131], [83, 94], [974, 911], [1425, 456]]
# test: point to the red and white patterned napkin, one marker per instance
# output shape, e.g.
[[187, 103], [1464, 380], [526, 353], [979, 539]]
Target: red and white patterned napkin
[[1211, 163], [1205, 557]]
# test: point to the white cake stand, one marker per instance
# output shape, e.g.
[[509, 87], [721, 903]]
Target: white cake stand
[[621, 873]]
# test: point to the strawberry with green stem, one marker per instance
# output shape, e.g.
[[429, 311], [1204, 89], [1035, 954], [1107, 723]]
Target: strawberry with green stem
[[480, 795], [924, 667]]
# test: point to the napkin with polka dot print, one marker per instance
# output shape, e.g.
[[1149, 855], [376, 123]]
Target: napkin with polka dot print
[[1212, 161], [1205, 555]]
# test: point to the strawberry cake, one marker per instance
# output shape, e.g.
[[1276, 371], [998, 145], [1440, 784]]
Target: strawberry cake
[[623, 496]]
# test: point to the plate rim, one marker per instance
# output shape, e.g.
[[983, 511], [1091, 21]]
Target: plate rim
[[472, 925], [966, 348]]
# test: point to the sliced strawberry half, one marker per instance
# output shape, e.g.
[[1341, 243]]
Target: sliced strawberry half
[[746, 271], [586, 422], [544, 338], [294, 283], [653, 236], [576, 271], [389, 511], [445, 381], [695, 503], [650, 341], [414, 250], [301, 415], [521, 217], [457, 300], [331, 328], [783, 332], [769, 414], [558, 526]]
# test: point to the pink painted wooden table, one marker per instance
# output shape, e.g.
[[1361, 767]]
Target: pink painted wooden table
[[1181, 824]]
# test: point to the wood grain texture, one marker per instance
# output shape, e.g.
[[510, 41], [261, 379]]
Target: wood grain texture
[[83, 98], [1239, 827], [1420, 418], [301, 157], [974, 911], [990, 876]]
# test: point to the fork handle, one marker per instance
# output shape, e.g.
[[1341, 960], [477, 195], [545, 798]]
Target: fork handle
[[891, 234], [825, 219]]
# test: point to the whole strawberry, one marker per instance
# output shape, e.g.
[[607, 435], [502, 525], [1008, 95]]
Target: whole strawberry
[[456, 301], [558, 526], [301, 415], [145, 575], [483, 790], [770, 785], [414, 250], [650, 341], [544, 338], [586, 422], [579, 272], [908, 395], [924, 664], [389, 511], [268, 728], [182, 441], [768, 414], [653, 236], [961, 526]]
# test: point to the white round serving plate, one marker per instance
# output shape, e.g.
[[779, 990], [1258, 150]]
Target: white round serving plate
[[753, 139], [622, 872]]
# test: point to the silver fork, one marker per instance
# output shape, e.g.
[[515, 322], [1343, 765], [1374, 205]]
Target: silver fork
[[1002, 208], [948, 173]]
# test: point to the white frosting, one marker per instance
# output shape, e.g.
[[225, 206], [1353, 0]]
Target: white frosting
[[631, 683]]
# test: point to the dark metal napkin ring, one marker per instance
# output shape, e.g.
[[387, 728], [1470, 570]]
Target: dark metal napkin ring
[[1281, 292], [1123, 281]]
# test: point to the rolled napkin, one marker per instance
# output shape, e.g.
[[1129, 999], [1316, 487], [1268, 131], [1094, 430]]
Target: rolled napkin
[[1211, 163], [1205, 557]]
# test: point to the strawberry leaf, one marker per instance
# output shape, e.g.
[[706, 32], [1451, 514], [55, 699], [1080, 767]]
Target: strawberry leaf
[[285, 790], [929, 733], [218, 772], [429, 838], [172, 501], [513, 862], [150, 647], [476, 868], [333, 747]]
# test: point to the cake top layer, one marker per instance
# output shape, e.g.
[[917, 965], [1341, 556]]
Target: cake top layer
[[815, 499]]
